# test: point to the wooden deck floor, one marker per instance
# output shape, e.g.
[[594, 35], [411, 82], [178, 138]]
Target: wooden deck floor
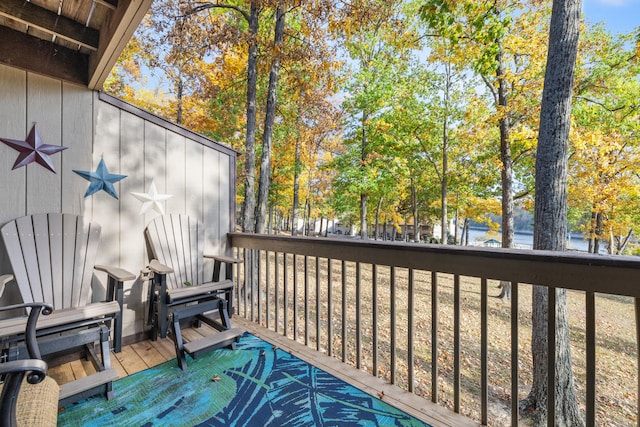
[[145, 354]]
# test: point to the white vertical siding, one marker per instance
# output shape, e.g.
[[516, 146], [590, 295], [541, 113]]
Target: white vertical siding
[[133, 143]]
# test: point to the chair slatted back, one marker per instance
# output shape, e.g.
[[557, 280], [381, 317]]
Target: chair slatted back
[[52, 257], [178, 242]]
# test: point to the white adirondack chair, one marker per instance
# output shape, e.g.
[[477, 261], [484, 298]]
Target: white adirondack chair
[[175, 243], [52, 257]]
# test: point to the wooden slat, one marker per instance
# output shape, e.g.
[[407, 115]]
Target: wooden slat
[[410, 331], [131, 361], [358, 316], [68, 250], [307, 298], [295, 296], [551, 358], [30, 286], [174, 244], [190, 241], [164, 347], [78, 386], [57, 284], [392, 326], [343, 319], [90, 237], [514, 355], [41, 238], [374, 318], [456, 343], [62, 373], [78, 369], [50, 22], [318, 317], [276, 292], [189, 291], [329, 307], [212, 341], [434, 337], [13, 125], [148, 353], [199, 251], [117, 365], [285, 294], [267, 288], [636, 306], [58, 62], [484, 346]]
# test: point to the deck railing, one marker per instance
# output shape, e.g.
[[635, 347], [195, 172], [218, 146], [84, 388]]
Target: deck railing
[[381, 307]]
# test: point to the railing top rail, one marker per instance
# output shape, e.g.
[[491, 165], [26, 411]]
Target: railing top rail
[[611, 274]]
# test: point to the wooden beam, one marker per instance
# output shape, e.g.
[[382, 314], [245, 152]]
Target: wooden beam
[[29, 14], [33, 54], [114, 35], [111, 4]]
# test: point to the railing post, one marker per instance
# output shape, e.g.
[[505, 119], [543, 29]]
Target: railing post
[[374, 316], [392, 310], [514, 355], [551, 357], [434, 337], [410, 331], [484, 345]]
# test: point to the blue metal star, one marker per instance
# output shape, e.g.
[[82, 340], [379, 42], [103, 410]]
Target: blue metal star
[[101, 179], [33, 150]]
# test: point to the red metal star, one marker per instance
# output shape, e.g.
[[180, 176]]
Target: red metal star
[[33, 150]]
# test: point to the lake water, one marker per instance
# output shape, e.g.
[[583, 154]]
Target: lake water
[[477, 237]]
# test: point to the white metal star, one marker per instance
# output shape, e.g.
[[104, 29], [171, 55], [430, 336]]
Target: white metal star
[[151, 199]]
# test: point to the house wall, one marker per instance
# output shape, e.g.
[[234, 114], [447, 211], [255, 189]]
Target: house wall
[[199, 173]]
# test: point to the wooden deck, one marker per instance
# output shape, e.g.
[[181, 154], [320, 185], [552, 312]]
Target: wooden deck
[[146, 354]]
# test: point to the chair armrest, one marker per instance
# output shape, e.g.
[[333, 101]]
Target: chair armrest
[[225, 259], [30, 332], [119, 274], [4, 279], [159, 268], [36, 367]]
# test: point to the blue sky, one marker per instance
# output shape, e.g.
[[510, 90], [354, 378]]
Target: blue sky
[[619, 16]]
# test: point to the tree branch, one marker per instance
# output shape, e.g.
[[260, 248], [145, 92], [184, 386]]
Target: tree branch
[[204, 6], [602, 104]]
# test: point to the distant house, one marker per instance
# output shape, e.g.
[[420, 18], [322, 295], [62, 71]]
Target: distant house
[[493, 243], [52, 68]]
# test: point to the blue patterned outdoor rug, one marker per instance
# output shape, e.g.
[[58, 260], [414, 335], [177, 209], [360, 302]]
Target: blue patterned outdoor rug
[[255, 385]]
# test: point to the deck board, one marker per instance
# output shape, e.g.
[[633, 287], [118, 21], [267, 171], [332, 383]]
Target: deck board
[[62, 373], [148, 353], [131, 361]]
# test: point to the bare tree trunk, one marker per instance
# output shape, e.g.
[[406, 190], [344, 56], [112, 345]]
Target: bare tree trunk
[[378, 210], [179, 97], [455, 235], [249, 204], [550, 221], [507, 173], [296, 191], [466, 226], [592, 232], [445, 159], [414, 208], [267, 135], [363, 196]]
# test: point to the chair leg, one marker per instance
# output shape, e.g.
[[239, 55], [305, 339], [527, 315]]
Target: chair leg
[[224, 313], [178, 343], [104, 347]]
